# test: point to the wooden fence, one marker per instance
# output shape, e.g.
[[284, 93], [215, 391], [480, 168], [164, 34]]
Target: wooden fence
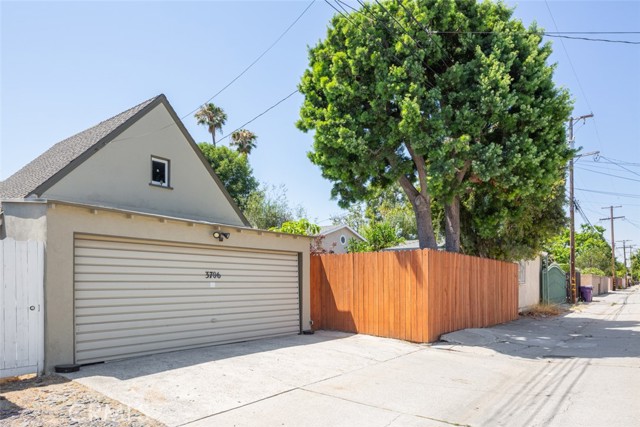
[[413, 295]]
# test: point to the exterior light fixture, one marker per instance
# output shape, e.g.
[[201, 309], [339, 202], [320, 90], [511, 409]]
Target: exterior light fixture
[[220, 235]]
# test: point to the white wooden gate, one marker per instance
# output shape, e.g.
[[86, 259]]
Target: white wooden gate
[[21, 307]]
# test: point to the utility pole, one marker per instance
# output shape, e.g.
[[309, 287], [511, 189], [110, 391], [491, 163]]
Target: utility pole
[[572, 215], [631, 260], [624, 254], [613, 243]]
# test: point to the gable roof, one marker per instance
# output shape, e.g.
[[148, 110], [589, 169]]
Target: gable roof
[[328, 229], [58, 161], [33, 177]]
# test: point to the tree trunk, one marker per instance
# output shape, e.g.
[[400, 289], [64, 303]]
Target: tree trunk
[[422, 209], [452, 224]]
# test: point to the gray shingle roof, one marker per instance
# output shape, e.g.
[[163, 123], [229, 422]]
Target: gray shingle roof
[[40, 170]]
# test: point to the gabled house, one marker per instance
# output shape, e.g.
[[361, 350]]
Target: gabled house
[[335, 238], [146, 252]]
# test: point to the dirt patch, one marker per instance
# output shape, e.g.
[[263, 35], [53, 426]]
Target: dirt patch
[[52, 400], [544, 310]]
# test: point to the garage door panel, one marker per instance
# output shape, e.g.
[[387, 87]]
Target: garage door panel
[[111, 323], [153, 250], [221, 299], [184, 286], [176, 295], [133, 297], [114, 353], [183, 264], [161, 337], [82, 314], [166, 261], [185, 278], [144, 329]]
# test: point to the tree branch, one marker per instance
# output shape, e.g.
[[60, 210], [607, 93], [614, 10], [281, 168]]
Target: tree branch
[[462, 172], [419, 161]]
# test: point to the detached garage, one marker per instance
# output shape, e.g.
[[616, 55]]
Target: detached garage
[[135, 297], [149, 262]]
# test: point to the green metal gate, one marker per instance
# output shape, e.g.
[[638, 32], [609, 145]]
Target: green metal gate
[[554, 283]]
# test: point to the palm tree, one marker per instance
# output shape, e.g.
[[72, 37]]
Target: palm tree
[[245, 140], [213, 117]]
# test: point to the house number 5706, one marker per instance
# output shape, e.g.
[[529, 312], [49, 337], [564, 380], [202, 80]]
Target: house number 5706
[[212, 275]]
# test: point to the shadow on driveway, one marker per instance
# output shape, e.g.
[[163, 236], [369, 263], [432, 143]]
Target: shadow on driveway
[[605, 328], [152, 364]]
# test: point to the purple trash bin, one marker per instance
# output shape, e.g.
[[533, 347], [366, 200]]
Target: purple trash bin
[[586, 292]]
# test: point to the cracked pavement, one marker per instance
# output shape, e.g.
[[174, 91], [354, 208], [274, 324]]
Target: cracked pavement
[[578, 369]]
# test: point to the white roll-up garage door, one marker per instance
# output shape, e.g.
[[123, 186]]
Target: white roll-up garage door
[[135, 297]]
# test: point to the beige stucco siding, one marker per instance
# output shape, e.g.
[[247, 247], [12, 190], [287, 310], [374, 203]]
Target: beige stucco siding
[[63, 221], [118, 175], [529, 291], [334, 238]]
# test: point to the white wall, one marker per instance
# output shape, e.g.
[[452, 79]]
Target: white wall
[[529, 290]]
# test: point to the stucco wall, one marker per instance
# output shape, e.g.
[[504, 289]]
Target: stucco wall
[[334, 237], [119, 174], [63, 221], [529, 291], [24, 221], [601, 284]]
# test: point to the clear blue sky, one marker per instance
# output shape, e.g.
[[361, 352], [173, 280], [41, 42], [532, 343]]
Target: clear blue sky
[[66, 66]]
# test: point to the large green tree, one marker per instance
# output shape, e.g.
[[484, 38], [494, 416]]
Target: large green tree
[[454, 102], [592, 249], [234, 171]]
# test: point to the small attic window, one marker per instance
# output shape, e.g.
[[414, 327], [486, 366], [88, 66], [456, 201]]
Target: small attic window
[[343, 240], [160, 172]]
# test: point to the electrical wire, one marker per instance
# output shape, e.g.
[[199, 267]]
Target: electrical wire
[[633, 223], [591, 39], [611, 193], [619, 165], [429, 33], [255, 61], [260, 115], [173, 123], [608, 174], [582, 214], [373, 15], [341, 13], [375, 20]]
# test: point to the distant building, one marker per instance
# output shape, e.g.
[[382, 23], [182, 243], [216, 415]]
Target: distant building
[[336, 238]]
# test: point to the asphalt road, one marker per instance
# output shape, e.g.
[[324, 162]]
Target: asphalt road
[[579, 369]]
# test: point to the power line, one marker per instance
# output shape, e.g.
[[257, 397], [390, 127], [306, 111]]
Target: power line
[[633, 224], [566, 52], [173, 123], [537, 32], [623, 162], [608, 174], [255, 61], [611, 193], [619, 165], [374, 19], [334, 8], [261, 114], [582, 214], [591, 39], [429, 33]]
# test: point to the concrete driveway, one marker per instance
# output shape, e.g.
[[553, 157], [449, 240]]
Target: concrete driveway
[[581, 369]]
